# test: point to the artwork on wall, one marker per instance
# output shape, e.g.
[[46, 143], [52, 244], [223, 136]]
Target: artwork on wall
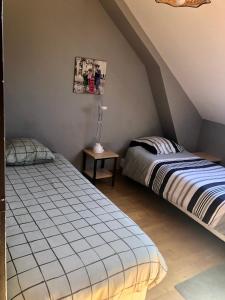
[[89, 76]]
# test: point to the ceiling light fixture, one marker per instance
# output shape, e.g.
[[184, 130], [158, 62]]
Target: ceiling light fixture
[[184, 3]]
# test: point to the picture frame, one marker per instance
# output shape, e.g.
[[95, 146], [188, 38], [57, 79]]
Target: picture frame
[[89, 76]]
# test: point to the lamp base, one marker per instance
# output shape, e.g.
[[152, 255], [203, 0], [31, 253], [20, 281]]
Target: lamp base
[[98, 148]]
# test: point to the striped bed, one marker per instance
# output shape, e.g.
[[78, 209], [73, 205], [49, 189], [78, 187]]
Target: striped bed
[[66, 240], [194, 185]]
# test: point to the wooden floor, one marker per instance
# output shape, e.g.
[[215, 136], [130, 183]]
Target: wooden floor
[[186, 246]]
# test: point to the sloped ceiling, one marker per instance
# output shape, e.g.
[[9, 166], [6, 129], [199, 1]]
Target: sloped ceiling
[[192, 43]]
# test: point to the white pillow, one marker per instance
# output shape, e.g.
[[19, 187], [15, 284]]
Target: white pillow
[[25, 151], [157, 145]]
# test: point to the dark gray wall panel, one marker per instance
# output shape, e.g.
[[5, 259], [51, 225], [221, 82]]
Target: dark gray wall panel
[[212, 138], [186, 119]]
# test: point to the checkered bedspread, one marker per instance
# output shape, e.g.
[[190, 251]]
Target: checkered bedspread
[[64, 238]]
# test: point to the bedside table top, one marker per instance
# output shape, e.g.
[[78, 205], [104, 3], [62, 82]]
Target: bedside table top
[[104, 155], [208, 156]]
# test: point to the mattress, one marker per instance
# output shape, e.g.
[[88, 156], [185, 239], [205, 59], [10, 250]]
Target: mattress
[[194, 185], [138, 160], [66, 240]]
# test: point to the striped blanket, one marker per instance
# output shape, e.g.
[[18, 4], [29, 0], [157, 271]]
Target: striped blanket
[[194, 184]]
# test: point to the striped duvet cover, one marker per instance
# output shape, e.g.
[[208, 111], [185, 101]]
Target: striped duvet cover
[[194, 185]]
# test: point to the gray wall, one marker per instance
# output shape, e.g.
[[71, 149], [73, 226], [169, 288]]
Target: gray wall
[[153, 70], [186, 119], [177, 114], [212, 138], [41, 40]]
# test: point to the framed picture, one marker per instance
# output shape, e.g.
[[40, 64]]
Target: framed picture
[[89, 76]]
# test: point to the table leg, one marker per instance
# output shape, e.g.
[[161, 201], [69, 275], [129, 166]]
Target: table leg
[[102, 163], [114, 171], [84, 161], [95, 170]]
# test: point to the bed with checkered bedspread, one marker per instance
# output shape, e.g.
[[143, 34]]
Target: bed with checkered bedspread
[[66, 240]]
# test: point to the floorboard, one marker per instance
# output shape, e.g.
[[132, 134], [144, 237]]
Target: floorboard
[[187, 247]]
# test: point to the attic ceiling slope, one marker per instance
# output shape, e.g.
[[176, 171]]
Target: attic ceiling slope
[[177, 114], [192, 43], [122, 17]]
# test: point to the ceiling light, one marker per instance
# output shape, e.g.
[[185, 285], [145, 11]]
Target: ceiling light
[[184, 3]]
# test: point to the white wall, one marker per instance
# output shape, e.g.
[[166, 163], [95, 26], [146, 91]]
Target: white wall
[[192, 42]]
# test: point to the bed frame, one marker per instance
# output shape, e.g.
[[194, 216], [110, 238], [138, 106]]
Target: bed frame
[[2, 182], [213, 231]]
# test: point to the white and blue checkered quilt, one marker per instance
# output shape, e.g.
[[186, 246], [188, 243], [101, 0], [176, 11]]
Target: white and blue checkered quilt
[[66, 240]]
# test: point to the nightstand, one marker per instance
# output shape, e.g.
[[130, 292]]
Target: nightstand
[[95, 174], [209, 157]]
